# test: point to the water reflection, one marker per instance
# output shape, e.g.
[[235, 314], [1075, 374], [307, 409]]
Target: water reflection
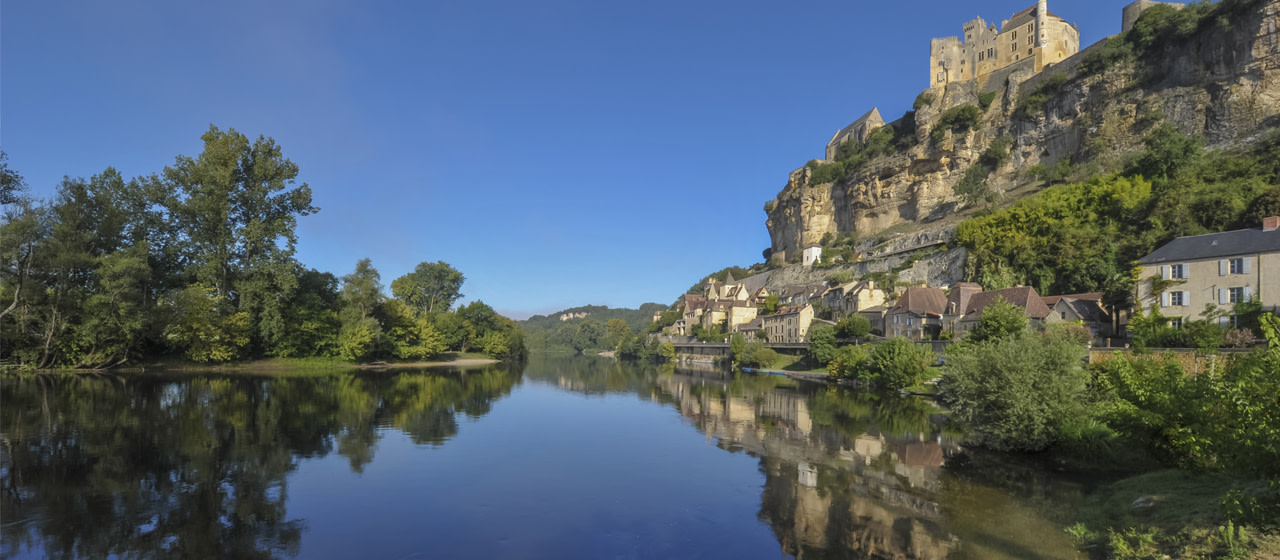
[[851, 474], [148, 466], [198, 465]]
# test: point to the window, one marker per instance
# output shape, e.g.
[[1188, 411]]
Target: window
[[1237, 266], [1235, 295], [1029, 51], [1176, 299], [1177, 271], [1175, 323], [1064, 315], [1015, 34]]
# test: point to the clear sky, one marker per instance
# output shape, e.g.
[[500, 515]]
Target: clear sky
[[557, 152]]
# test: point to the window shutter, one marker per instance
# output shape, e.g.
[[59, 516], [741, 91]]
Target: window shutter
[[1224, 296], [1186, 299], [1164, 299], [1186, 271], [1223, 321], [1248, 293], [1224, 267], [1247, 264], [1164, 272]]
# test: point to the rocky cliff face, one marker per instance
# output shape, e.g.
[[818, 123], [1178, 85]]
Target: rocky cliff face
[[1223, 84]]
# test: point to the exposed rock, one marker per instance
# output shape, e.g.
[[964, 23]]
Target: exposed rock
[[1224, 85]]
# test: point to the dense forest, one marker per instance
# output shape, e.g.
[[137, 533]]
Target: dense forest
[[198, 261], [601, 328]]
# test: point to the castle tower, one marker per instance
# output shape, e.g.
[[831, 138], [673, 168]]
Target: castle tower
[[1042, 24]]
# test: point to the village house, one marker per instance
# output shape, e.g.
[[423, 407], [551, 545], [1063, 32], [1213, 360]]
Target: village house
[[789, 324], [1085, 309], [1024, 297], [846, 299], [957, 300], [917, 314], [796, 296], [858, 131], [876, 316], [1226, 268]]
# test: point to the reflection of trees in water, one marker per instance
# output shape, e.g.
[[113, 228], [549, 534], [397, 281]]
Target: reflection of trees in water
[[150, 466]]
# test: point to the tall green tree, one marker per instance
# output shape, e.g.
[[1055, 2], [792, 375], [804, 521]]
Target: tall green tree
[[430, 286], [238, 206]]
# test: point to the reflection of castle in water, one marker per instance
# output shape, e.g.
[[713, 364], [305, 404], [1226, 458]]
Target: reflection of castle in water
[[864, 495]]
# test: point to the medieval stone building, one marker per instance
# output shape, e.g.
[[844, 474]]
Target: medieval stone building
[[1034, 37]]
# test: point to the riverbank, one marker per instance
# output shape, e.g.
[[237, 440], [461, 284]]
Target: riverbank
[[281, 365]]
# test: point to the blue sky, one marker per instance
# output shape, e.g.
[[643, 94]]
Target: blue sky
[[558, 153]]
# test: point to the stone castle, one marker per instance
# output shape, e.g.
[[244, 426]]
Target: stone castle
[[1034, 34]]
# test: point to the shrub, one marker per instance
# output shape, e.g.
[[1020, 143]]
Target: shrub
[[958, 120], [900, 363], [925, 99], [825, 172], [997, 153], [840, 277], [850, 363], [985, 99], [853, 326], [754, 354], [1015, 392], [1000, 321], [769, 206], [822, 344]]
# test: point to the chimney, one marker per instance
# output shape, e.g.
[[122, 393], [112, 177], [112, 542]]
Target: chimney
[[1271, 223]]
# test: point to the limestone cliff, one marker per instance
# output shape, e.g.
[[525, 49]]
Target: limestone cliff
[[1223, 84]]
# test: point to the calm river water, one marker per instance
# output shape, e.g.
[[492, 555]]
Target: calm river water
[[569, 458]]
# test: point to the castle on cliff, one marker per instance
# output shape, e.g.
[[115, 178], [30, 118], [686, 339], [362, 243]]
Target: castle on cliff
[[1034, 38]]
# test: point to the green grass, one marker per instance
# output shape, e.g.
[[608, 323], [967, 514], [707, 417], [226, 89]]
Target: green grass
[[797, 364], [1184, 520]]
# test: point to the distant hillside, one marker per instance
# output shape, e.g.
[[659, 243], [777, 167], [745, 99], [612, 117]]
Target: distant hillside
[[638, 319]]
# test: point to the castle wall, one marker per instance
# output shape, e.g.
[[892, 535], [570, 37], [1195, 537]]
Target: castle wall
[[984, 50]]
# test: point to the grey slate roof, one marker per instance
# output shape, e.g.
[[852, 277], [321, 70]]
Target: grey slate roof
[[1216, 245]]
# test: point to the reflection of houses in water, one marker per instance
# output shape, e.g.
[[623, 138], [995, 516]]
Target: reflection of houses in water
[[869, 494]]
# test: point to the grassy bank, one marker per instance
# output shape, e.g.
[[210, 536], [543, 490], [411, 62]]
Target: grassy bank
[[281, 365]]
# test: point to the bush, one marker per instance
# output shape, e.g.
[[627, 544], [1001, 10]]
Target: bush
[[1034, 102], [1016, 392], [900, 363], [769, 206], [840, 277], [853, 326], [958, 120], [925, 99], [985, 99], [754, 354], [822, 344], [824, 173], [1000, 321], [850, 363]]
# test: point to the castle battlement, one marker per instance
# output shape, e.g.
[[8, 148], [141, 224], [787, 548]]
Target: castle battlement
[[1034, 34]]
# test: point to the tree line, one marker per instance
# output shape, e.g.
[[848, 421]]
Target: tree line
[[198, 260]]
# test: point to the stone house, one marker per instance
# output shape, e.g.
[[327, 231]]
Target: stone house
[[789, 324], [812, 256], [1024, 297], [917, 314], [1035, 37], [739, 315], [1083, 308], [1226, 268], [846, 299], [876, 316], [957, 300]]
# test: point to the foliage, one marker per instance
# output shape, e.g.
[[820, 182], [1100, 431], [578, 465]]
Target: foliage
[[429, 285], [824, 172], [771, 304], [203, 325], [754, 354], [1034, 103], [769, 206], [840, 277], [1000, 321], [822, 344], [900, 363], [925, 99], [892, 138], [1015, 392], [851, 362], [985, 99], [853, 326], [958, 120], [668, 318]]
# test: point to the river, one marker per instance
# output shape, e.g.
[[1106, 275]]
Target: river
[[566, 458]]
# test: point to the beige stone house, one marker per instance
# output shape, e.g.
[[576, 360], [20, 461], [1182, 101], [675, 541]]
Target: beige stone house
[[858, 131], [876, 316], [1082, 308], [1034, 37], [917, 314], [846, 299], [789, 324], [1024, 297], [1223, 269]]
